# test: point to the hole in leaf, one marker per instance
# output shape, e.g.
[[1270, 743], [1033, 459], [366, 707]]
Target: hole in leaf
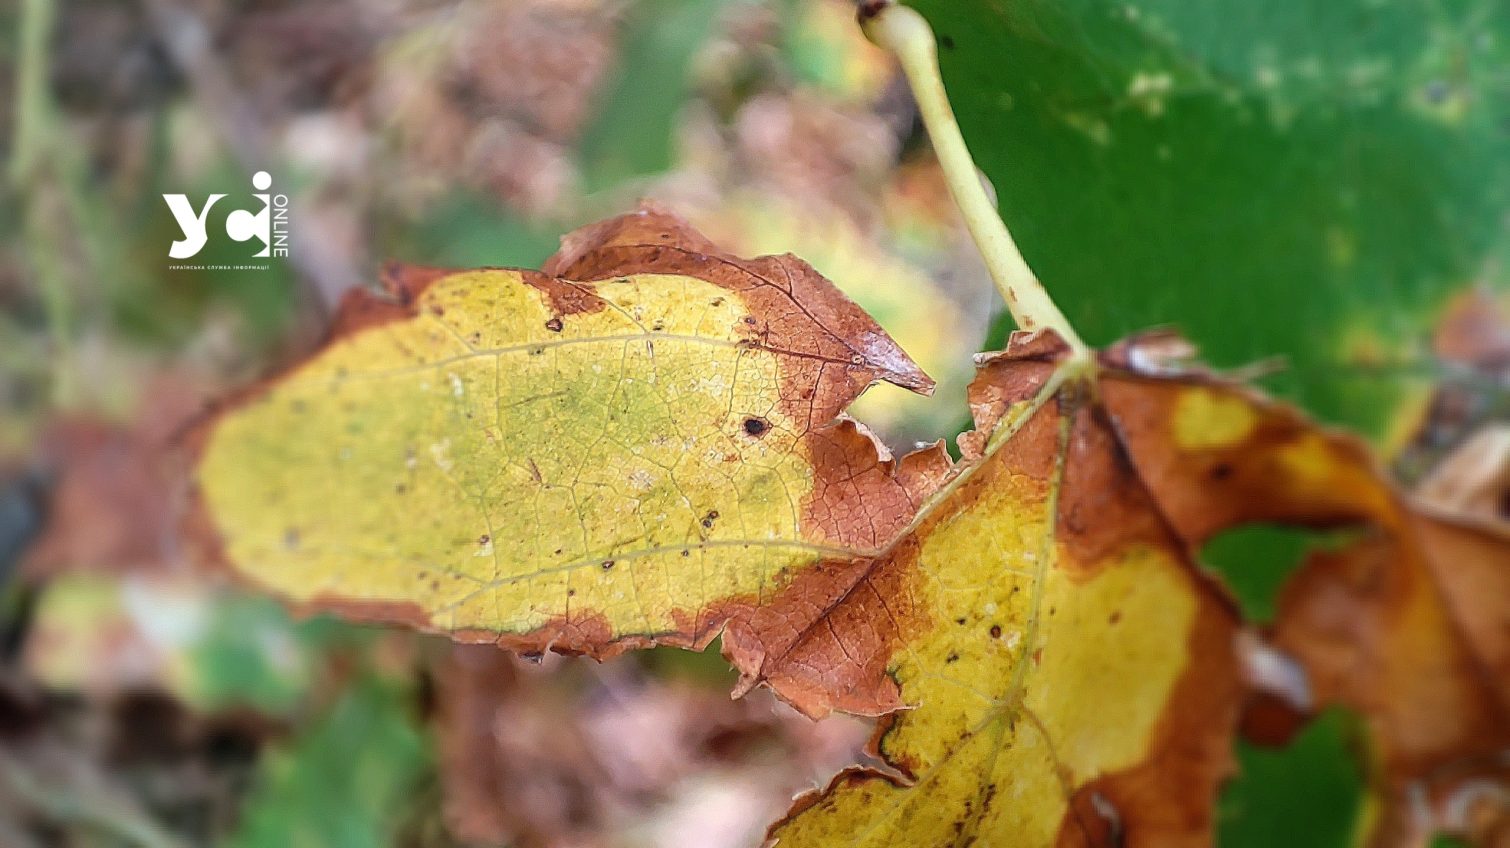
[[1308, 794], [1255, 560]]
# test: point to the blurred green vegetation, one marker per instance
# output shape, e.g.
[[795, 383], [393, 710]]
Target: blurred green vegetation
[[633, 132], [345, 782]]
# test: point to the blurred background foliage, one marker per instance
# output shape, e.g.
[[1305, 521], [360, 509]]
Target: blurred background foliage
[[1318, 193]]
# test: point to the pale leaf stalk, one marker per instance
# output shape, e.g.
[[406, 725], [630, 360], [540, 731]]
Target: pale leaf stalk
[[905, 34]]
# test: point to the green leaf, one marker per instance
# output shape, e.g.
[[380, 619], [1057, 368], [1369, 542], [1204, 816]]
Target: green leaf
[[1308, 180]]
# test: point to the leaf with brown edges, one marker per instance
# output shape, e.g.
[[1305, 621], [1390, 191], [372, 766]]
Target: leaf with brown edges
[[638, 445], [1410, 627], [643, 444]]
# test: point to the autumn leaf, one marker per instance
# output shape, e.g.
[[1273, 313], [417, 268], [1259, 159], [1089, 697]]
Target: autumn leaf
[[633, 447], [1075, 677], [1409, 625], [1410, 628]]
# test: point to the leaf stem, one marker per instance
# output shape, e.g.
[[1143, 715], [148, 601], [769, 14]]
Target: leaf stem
[[905, 34]]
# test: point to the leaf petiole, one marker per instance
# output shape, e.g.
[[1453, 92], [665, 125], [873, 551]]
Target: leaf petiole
[[904, 33]]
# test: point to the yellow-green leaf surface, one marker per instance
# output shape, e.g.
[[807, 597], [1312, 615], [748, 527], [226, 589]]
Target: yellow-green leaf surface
[[1074, 677], [567, 459]]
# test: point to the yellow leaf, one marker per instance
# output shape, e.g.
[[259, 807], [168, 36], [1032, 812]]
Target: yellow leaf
[[582, 460]]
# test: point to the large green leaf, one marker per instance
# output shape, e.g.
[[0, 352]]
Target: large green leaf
[[1305, 180]]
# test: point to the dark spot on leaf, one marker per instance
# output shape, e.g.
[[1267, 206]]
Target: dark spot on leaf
[[708, 519], [607, 564], [750, 319], [1221, 471], [952, 658], [686, 552], [996, 631], [484, 539], [756, 426], [554, 324], [946, 42], [437, 309], [959, 621], [571, 593], [291, 538], [1115, 617]]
